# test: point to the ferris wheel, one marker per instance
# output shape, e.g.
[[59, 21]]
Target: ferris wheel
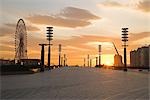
[[20, 40]]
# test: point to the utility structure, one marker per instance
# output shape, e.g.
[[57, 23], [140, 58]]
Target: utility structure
[[59, 55], [42, 56], [49, 38], [96, 61], [91, 62], [99, 47], [42, 53], [88, 60], [64, 60], [117, 58], [125, 39], [61, 61], [84, 62]]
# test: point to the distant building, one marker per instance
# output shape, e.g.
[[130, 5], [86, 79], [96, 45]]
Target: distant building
[[6, 62], [118, 60], [144, 56], [25, 62], [149, 55], [133, 58], [140, 57], [30, 62]]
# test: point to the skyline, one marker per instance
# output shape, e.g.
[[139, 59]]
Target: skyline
[[80, 27]]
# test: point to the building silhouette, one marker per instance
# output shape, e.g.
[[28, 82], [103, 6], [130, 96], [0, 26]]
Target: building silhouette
[[118, 60], [140, 57]]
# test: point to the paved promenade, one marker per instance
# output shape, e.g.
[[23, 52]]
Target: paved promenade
[[76, 84]]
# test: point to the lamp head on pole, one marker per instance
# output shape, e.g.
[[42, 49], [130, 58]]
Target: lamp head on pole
[[49, 33], [124, 36]]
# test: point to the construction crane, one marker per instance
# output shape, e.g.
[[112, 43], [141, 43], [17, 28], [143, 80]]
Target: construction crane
[[115, 48], [117, 58]]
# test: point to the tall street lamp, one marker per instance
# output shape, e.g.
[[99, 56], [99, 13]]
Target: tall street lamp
[[88, 60], [84, 62], [59, 55], [125, 39], [99, 50], [49, 38], [64, 60]]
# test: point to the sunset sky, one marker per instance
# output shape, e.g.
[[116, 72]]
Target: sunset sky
[[79, 25]]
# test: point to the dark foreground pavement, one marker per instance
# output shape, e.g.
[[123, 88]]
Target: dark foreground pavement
[[76, 84]]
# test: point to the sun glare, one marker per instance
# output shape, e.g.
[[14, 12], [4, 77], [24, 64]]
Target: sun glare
[[108, 63], [107, 59]]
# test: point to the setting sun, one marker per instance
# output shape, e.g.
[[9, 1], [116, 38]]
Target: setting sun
[[107, 59], [108, 63]]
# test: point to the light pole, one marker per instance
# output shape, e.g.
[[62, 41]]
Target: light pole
[[64, 60], [84, 62], [99, 55], [61, 61], [96, 61], [59, 55], [42, 56], [49, 38], [88, 60], [125, 39]]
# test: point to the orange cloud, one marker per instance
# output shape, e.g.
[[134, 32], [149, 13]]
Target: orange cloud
[[69, 17], [138, 39], [6, 48], [9, 29], [144, 5], [29, 27], [137, 36], [109, 3], [5, 31], [77, 13]]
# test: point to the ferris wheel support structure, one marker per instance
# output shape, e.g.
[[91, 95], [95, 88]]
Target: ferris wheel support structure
[[20, 41]]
